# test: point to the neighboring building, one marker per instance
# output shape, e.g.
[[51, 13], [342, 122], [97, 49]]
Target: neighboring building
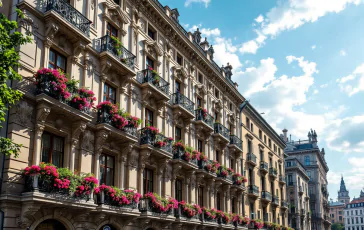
[[159, 73], [337, 212], [299, 216], [360, 198], [313, 159], [343, 193], [354, 216], [264, 166]]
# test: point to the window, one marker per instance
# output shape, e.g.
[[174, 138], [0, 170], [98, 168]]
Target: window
[[109, 93], [178, 87], [199, 103], [216, 117], [178, 190], [251, 127], [117, 2], [147, 180], [269, 143], [148, 117], [218, 201], [290, 179], [274, 148], [57, 60], [231, 129], [231, 106], [249, 146], [200, 78], [216, 93], [265, 139], [279, 151], [260, 134], [107, 169], [151, 32], [52, 149], [179, 59], [178, 134], [217, 155], [232, 165], [200, 196], [149, 63], [307, 160], [261, 154], [247, 123], [233, 205], [199, 146], [111, 31]]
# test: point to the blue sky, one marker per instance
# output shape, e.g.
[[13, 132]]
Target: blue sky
[[301, 62]]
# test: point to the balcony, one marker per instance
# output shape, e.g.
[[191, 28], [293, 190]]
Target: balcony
[[253, 191], [204, 121], [266, 197], [282, 179], [179, 157], [182, 106], [275, 200], [263, 167], [236, 145], [181, 216], [221, 133], [148, 210], [273, 173], [121, 58], [158, 143], [207, 167], [312, 197], [225, 179], [303, 212], [73, 22], [290, 183], [251, 159], [154, 84], [300, 190], [284, 204]]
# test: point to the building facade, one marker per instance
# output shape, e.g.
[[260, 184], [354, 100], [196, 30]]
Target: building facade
[[299, 216], [354, 216], [264, 167], [343, 193], [337, 212], [312, 158], [136, 57]]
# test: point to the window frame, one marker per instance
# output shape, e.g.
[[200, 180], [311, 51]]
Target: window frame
[[179, 59], [199, 145], [147, 121], [51, 148], [110, 29], [105, 169], [148, 180], [151, 31], [179, 190], [54, 65], [200, 196], [175, 134], [106, 96]]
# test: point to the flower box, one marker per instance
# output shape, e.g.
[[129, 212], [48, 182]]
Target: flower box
[[51, 82], [109, 195], [152, 202]]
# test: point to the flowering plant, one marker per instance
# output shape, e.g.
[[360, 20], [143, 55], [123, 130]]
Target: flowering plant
[[204, 112], [226, 217], [223, 171], [209, 213], [117, 45], [118, 197], [190, 210], [169, 139], [32, 170], [203, 157], [52, 82], [243, 220], [196, 155], [154, 130], [161, 204], [160, 144], [187, 156], [179, 144], [239, 179], [108, 106], [83, 100], [230, 171], [212, 166], [153, 70], [134, 121], [85, 188], [258, 223], [119, 121]]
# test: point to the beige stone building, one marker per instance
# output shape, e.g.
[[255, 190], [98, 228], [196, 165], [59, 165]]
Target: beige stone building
[[264, 167], [159, 73]]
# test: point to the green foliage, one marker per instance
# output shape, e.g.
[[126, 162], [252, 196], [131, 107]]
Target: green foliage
[[72, 85], [117, 45], [337, 226], [10, 40]]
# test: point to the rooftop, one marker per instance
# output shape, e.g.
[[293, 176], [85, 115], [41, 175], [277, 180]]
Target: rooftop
[[332, 204]]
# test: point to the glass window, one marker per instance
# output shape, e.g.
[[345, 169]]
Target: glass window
[[149, 62], [178, 134], [107, 169], [217, 155], [265, 139], [199, 146], [216, 93], [233, 205], [200, 78], [109, 93], [148, 117], [261, 154], [218, 201], [52, 149], [178, 87], [247, 123], [232, 164], [307, 160], [260, 134], [111, 31], [216, 117], [57, 60], [251, 127], [200, 196], [151, 33], [179, 59], [269, 143], [249, 146], [178, 190], [199, 102], [147, 180]]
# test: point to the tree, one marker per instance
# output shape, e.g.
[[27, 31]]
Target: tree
[[337, 226], [10, 41]]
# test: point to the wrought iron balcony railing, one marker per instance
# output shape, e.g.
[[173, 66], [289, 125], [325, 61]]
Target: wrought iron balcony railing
[[200, 115], [284, 203], [273, 171], [251, 157], [147, 76], [234, 140], [104, 117], [120, 52], [180, 154], [275, 200], [264, 165], [266, 195], [157, 140], [282, 178], [290, 183], [220, 129], [253, 189], [68, 12], [182, 100]]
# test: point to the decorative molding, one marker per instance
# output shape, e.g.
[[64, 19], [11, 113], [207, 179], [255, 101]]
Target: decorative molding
[[88, 141], [23, 113]]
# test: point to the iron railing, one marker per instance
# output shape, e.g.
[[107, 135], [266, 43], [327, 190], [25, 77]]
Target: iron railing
[[107, 44], [105, 117], [69, 13], [251, 157], [147, 76], [146, 205], [200, 115], [266, 195], [282, 178], [284, 203], [149, 138], [179, 153], [264, 165], [182, 100], [273, 171], [275, 200], [234, 140], [222, 130], [253, 189]]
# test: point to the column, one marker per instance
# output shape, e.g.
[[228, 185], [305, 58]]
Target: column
[[173, 184], [73, 145], [37, 143], [97, 164], [47, 45], [122, 171], [159, 182], [186, 188]]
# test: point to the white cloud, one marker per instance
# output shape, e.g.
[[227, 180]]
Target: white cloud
[[353, 83], [259, 19], [289, 15], [346, 134], [354, 178], [343, 53], [324, 85], [313, 47], [189, 2], [315, 91], [210, 32]]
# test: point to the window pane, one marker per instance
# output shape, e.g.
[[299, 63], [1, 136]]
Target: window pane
[[61, 62], [52, 56], [109, 176], [46, 144], [110, 162]]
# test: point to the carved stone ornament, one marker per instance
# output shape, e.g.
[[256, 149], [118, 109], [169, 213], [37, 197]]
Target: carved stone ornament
[[179, 73], [153, 49], [28, 24], [133, 159], [42, 114], [88, 141], [24, 113], [51, 30]]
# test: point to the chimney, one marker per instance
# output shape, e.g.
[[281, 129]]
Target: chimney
[[205, 45], [285, 138]]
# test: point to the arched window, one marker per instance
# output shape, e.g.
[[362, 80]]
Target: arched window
[[51, 224]]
